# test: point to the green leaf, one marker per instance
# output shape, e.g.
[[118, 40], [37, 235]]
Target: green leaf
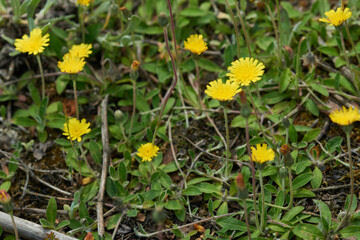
[[303, 193], [192, 191], [330, 51], [320, 89], [317, 178], [223, 209], [292, 213], [312, 135], [307, 231], [325, 213], [230, 223], [293, 13], [208, 65], [351, 231], [5, 186], [302, 180], [95, 151], [312, 107], [333, 144], [173, 205], [285, 79], [61, 83], [51, 211], [293, 134], [209, 188], [193, 12]]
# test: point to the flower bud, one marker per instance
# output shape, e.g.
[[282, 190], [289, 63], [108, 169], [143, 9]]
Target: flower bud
[[118, 115], [5, 200], [240, 181], [4, 197], [135, 65], [243, 192], [163, 20], [285, 149], [89, 236], [286, 122]]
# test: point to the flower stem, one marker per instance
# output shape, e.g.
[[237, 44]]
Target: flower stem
[[81, 20], [247, 219], [227, 142], [243, 27], [355, 80], [348, 210], [252, 171], [262, 219], [275, 30], [42, 76], [351, 42], [171, 88], [134, 107], [75, 97], [14, 225], [237, 34]]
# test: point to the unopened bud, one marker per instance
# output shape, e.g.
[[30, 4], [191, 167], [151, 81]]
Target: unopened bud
[[118, 114], [285, 149], [4, 197], [240, 181], [286, 122], [135, 65], [5, 200], [163, 20], [89, 236], [243, 192]]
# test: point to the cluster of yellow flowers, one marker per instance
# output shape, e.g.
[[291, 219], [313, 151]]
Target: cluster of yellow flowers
[[84, 2], [336, 18], [74, 60], [242, 72]]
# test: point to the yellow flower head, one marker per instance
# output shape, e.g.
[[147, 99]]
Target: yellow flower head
[[262, 154], [74, 129], [84, 2], [71, 64], [81, 50], [245, 71], [34, 44], [195, 44], [345, 116], [147, 152], [338, 17], [222, 91]]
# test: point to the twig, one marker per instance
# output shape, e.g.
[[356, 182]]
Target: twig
[[29, 230], [186, 225], [331, 188], [118, 224], [106, 156]]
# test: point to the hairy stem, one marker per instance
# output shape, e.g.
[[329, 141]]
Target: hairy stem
[[42, 76], [262, 219]]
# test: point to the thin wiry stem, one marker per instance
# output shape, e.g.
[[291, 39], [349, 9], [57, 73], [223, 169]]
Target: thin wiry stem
[[252, 171], [172, 87], [237, 34], [243, 26], [42, 76]]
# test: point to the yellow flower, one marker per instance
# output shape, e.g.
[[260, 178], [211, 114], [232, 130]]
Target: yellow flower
[[195, 44], [71, 64], [81, 50], [34, 44], [222, 91], [338, 17], [262, 154], [74, 129], [345, 116], [84, 2], [147, 151], [245, 71]]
